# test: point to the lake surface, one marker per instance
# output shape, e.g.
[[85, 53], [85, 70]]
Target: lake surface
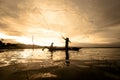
[[12, 56], [85, 64]]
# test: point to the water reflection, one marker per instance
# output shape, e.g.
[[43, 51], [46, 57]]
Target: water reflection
[[27, 55], [38, 65], [43, 75]]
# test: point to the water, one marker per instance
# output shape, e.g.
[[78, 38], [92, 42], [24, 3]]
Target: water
[[13, 56], [88, 63]]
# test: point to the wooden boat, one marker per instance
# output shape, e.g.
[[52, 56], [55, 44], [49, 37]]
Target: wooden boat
[[63, 48]]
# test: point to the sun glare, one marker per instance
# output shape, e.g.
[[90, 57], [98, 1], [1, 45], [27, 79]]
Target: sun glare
[[42, 41], [4, 36], [46, 41], [24, 40]]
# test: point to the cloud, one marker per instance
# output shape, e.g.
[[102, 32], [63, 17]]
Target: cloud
[[13, 17], [110, 12], [93, 20], [104, 15]]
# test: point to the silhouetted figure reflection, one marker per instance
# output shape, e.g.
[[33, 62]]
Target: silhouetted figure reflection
[[51, 50], [66, 50]]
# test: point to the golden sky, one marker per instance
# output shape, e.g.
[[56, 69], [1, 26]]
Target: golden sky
[[83, 21]]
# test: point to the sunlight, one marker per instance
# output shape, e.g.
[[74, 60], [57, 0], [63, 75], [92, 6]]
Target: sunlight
[[48, 41], [44, 37], [51, 37], [42, 41], [4, 36], [21, 39], [24, 40]]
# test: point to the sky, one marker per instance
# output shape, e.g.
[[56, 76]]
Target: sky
[[47, 21]]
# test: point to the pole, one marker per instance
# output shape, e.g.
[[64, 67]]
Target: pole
[[33, 42]]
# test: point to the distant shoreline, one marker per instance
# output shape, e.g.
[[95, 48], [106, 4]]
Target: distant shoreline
[[47, 47]]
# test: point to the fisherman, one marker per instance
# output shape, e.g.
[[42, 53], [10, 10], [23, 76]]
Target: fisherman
[[51, 49], [66, 50]]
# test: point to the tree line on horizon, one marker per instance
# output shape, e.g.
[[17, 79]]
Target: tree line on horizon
[[15, 46]]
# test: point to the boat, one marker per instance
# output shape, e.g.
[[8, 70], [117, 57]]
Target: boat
[[63, 48]]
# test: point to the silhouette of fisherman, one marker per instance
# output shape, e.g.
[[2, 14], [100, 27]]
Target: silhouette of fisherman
[[66, 50], [51, 49]]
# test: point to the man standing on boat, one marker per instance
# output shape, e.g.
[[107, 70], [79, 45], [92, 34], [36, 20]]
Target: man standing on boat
[[66, 50], [51, 49]]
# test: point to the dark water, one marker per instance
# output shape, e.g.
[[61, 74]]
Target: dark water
[[88, 63], [25, 55]]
